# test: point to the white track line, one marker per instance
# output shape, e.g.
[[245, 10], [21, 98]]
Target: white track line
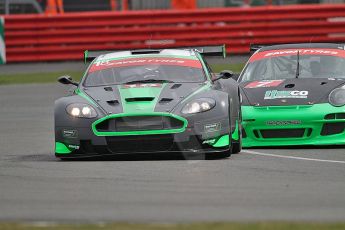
[[292, 157]]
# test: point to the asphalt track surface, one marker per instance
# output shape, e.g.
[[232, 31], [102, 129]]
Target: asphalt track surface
[[258, 184]]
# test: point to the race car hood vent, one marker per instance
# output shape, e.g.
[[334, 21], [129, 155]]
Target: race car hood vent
[[157, 99], [301, 91], [108, 88], [166, 100], [175, 86], [113, 102], [139, 99]]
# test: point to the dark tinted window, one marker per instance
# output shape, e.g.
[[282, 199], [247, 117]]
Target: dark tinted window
[[121, 75], [282, 67]]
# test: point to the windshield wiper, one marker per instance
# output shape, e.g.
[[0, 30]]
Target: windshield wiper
[[297, 68]]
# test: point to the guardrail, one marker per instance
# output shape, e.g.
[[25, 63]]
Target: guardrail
[[65, 37]]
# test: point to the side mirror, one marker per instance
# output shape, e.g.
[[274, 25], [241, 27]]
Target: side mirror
[[67, 80], [235, 76], [225, 74]]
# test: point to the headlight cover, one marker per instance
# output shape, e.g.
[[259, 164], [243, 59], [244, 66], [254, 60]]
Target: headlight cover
[[81, 110], [337, 97], [199, 105]]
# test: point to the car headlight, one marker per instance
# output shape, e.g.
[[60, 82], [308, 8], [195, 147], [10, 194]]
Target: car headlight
[[199, 105], [337, 97], [81, 110]]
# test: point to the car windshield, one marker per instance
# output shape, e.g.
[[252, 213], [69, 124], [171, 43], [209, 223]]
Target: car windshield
[[278, 64], [146, 70]]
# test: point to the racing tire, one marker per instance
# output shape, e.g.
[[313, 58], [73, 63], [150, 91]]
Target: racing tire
[[236, 147]]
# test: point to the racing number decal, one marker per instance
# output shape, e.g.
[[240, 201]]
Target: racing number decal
[[263, 84]]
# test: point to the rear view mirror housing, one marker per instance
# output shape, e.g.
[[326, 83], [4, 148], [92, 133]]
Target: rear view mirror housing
[[225, 74], [67, 80]]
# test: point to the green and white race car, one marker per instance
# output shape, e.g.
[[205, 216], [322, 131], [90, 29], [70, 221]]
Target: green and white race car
[[294, 94], [149, 101]]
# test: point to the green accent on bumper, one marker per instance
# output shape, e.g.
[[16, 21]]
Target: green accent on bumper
[[83, 95], [223, 141], [236, 134], [139, 107], [309, 117], [61, 148], [143, 132]]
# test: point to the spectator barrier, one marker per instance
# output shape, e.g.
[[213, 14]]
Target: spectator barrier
[[64, 37]]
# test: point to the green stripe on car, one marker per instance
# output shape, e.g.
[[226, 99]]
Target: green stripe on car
[[2, 41], [131, 97]]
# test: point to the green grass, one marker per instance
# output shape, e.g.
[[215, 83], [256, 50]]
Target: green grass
[[27, 78], [199, 226]]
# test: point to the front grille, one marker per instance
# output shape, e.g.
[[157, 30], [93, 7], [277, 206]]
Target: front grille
[[144, 143], [332, 128], [282, 133], [139, 123]]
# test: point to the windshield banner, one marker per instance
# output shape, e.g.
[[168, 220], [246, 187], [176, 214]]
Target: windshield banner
[[292, 52], [106, 64]]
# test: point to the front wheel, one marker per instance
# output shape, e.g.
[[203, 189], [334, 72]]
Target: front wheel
[[236, 146]]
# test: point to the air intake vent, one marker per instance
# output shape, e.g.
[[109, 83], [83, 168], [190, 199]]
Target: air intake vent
[[165, 100], [289, 85], [139, 99], [108, 88], [113, 102], [332, 128], [175, 86], [333, 116], [282, 133]]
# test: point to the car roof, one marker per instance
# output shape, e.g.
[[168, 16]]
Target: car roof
[[303, 45], [164, 53]]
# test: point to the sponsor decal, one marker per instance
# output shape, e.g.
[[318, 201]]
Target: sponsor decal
[[263, 84], [106, 64], [288, 122], [293, 52], [210, 141], [70, 133], [275, 94], [129, 86], [73, 146], [212, 127]]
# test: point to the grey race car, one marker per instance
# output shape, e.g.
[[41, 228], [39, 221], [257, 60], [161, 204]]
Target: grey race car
[[149, 101]]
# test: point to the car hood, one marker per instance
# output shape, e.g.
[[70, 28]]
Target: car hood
[[302, 91], [141, 98]]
